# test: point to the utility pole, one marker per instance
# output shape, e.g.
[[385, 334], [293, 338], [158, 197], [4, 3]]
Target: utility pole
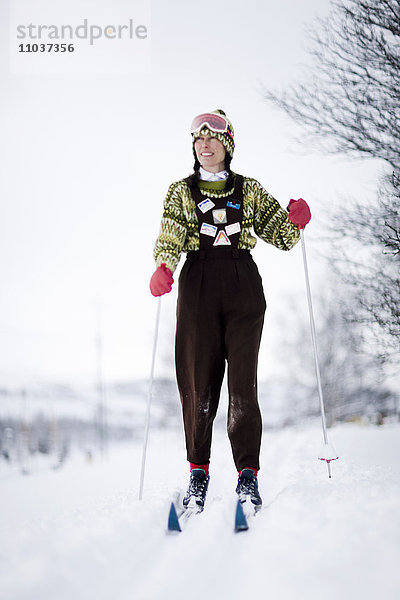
[[100, 387]]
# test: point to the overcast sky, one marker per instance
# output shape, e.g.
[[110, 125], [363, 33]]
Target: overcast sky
[[86, 160]]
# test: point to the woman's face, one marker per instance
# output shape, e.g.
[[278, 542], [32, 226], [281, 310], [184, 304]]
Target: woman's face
[[210, 153]]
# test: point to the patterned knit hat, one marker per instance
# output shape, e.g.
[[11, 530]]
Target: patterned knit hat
[[226, 138]]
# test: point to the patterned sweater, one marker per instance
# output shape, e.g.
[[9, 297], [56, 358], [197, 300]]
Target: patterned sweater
[[179, 231]]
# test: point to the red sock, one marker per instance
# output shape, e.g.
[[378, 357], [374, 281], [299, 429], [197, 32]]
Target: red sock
[[255, 471], [204, 467]]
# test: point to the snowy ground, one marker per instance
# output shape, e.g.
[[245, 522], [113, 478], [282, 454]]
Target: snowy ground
[[81, 532]]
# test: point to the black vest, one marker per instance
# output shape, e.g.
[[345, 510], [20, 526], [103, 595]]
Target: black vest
[[220, 219]]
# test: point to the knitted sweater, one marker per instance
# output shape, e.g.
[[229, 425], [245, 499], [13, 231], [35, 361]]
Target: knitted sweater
[[179, 231]]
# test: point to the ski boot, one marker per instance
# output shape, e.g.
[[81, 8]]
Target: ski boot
[[247, 489], [197, 490]]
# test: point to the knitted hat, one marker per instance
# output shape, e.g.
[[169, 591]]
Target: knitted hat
[[226, 138]]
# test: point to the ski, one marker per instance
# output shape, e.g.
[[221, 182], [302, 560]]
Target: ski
[[245, 510], [240, 518], [178, 519], [173, 520]]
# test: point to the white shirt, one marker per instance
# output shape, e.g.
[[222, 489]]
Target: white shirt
[[207, 176]]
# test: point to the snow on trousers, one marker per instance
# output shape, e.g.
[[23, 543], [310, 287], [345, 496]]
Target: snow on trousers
[[220, 315]]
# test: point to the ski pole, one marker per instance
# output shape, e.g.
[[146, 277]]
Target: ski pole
[[150, 391], [314, 341]]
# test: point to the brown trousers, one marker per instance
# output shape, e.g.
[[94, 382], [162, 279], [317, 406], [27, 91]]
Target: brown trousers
[[220, 317]]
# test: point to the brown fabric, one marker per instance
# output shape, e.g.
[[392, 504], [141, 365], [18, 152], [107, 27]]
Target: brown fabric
[[220, 316]]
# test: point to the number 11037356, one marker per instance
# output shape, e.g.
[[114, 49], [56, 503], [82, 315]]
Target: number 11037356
[[46, 48]]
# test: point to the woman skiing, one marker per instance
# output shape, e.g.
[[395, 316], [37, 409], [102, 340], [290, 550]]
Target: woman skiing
[[220, 312]]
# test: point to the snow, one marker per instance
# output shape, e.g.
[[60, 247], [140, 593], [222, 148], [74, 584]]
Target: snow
[[80, 532]]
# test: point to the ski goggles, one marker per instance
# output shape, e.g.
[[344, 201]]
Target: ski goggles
[[215, 123]]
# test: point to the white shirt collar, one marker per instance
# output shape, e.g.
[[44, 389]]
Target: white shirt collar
[[207, 176]]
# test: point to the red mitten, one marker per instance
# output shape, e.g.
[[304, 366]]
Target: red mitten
[[299, 212], [161, 281]]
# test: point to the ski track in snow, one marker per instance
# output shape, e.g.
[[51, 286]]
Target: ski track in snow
[[81, 532]]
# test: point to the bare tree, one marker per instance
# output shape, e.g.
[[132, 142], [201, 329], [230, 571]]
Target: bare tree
[[352, 378], [370, 264], [351, 103]]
